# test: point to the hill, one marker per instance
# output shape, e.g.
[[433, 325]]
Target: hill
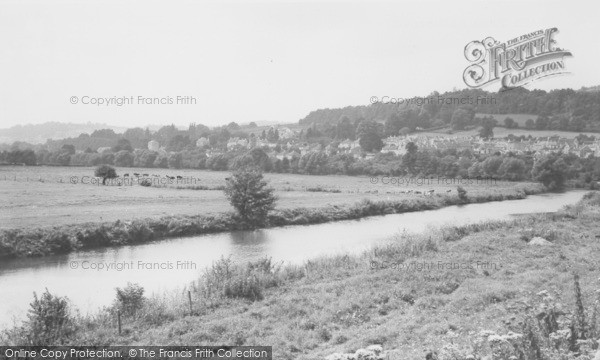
[[39, 133], [563, 109]]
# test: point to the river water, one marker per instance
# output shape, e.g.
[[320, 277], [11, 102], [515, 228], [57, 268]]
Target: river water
[[88, 278]]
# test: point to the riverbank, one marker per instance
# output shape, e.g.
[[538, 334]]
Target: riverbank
[[458, 291], [42, 241]]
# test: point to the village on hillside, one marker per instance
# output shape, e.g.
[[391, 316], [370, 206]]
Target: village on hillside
[[289, 145]]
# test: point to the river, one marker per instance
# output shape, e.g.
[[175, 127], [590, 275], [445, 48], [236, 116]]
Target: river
[[88, 278]]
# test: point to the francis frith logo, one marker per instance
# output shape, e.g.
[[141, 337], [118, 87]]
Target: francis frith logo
[[516, 62]]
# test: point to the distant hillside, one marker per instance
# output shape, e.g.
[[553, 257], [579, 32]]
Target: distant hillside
[[39, 133], [575, 110], [591, 88]]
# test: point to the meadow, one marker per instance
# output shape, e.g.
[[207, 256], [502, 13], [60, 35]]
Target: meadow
[[460, 292], [501, 132], [41, 196]]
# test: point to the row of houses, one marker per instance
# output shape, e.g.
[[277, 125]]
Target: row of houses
[[397, 145]]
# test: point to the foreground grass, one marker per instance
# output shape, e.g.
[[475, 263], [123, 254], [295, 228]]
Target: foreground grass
[[410, 297], [29, 242]]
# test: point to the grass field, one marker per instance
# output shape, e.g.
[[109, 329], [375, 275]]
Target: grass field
[[44, 196], [520, 119], [500, 132], [342, 304]]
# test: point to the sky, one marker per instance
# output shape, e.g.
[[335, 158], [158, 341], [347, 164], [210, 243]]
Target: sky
[[256, 60]]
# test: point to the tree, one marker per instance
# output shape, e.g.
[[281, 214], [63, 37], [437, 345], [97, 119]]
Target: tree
[[124, 158], [233, 126], [409, 159], [541, 123], [370, 134], [550, 170], [491, 165], [137, 137], [411, 148], [512, 169], [461, 118], [179, 143], [272, 135], [487, 128], [104, 133], [249, 194], [122, 144], [161, 161], [530, 124], [105, 172], [393, 124], [68, 149], [255, 158], [174, 160], [144, 158], [345, 129], [510, 123]]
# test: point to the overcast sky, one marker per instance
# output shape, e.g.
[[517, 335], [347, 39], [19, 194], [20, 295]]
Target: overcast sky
[[258, 61]]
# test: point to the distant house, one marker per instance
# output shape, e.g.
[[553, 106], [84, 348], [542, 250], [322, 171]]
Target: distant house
[[394, 149], [286, 133], [153, 145], [202, 142], [236, 143], [348, 145], [104, 149], [586, 152]]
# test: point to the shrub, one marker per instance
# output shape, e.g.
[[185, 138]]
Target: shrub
[[246, 287], [139, 231], [462, 193], [58, 242], [224, 279], [49, 320], [130, 299]]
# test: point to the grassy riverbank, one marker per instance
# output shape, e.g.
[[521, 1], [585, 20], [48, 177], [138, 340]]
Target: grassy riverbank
[[409, 297], [29, 242]]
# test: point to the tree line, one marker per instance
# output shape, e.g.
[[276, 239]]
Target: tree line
[[551, 169], [563, 109]]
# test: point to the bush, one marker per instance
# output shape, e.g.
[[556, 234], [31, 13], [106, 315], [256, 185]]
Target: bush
[[225, 279], [245, 287], [139, 232], [462, 194], [49, 320], [58, 242], [130, 299]]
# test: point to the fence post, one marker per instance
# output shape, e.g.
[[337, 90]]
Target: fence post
[[190, 299], [119, 320]]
